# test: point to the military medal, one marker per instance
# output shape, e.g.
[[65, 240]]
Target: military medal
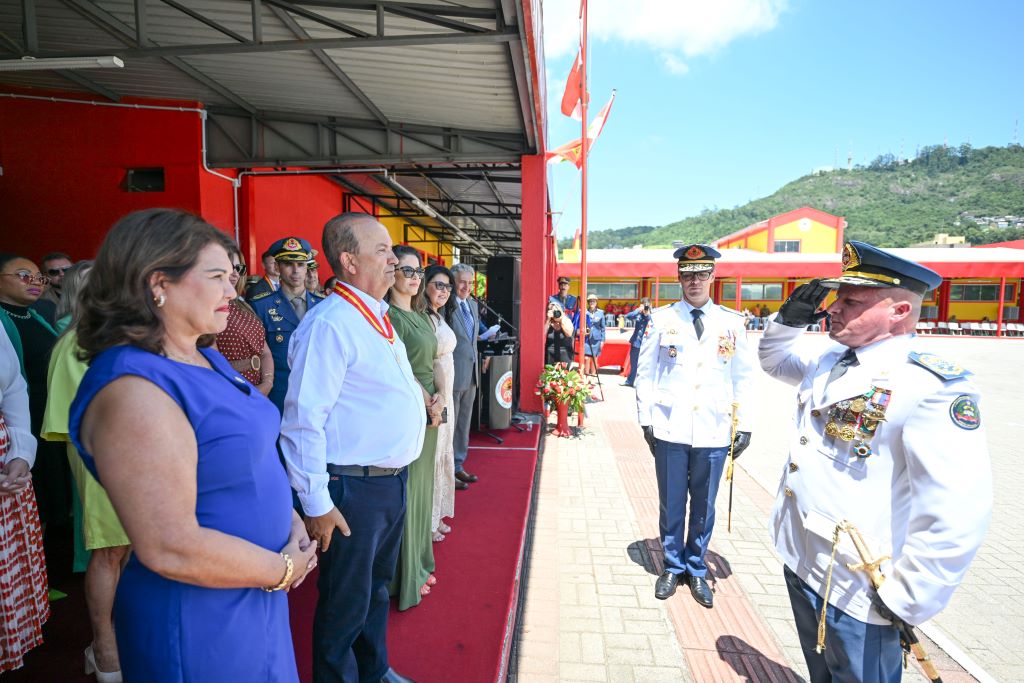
[[279, 338], [861, 450], [672, 353], [832, 429], [858, 405], [847, 433]]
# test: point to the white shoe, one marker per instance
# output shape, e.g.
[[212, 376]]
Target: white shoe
[[101, 676]]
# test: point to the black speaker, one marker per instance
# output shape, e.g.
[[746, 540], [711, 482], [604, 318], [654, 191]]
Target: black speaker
[[503, 290]]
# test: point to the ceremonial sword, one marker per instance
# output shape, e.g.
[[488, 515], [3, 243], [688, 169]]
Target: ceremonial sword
[[869, 566], [729, 461]]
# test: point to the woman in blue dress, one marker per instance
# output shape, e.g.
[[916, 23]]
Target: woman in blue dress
[[186, 449]]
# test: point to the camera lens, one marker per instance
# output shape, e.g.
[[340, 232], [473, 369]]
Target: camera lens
[[556, 314]]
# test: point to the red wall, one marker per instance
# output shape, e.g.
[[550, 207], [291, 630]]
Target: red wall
[[63, 165], [286, 206]]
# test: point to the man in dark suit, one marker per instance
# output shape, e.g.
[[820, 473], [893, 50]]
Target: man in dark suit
[[467, 331], [271, 280]]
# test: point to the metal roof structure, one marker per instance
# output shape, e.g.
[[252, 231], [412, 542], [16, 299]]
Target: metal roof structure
[[443, 94]]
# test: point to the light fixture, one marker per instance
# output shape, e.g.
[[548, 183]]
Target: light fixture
[[33, 64]]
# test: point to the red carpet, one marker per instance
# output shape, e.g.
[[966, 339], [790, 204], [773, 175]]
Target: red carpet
[[528, 439], [462, 630]]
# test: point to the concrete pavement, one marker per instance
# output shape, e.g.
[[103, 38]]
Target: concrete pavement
[[590, 613]]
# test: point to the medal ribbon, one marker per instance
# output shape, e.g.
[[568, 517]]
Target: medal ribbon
[[385, 330]]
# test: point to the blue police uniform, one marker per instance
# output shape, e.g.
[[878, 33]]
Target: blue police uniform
[[640, 320], [279, 318]]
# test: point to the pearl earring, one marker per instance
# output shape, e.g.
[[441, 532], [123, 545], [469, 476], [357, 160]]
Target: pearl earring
[[160, 301]]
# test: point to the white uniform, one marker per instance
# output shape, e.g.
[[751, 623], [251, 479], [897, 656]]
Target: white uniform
[[685, 387], [923, 495]]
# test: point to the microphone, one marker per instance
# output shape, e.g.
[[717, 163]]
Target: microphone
[[501, 319]]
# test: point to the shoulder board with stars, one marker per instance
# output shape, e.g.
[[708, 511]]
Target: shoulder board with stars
[[945, 369], [261, 295], [730, 310]]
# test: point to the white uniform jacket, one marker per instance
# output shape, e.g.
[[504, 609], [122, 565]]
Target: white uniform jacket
[[923, 496], [685, 387]]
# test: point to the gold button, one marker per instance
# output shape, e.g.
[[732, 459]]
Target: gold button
[[815, 413], [803, 440], [793, 467], [788, 491]]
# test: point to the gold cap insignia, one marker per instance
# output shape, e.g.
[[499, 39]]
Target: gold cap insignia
[[850, 257], [292, 244], [694, 252]]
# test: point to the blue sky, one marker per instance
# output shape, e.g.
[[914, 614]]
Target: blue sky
[[723, 102]]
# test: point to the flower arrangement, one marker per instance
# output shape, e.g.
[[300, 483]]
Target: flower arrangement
[[559, 385]]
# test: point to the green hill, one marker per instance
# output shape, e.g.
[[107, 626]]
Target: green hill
[[888, 203]]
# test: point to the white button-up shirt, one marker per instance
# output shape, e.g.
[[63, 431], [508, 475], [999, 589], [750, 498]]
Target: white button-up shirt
[[922, 497], [686, 387], [352, 399]]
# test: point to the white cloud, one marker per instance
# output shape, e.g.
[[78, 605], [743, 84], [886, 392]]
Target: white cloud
[[677, 27], [674, 64]]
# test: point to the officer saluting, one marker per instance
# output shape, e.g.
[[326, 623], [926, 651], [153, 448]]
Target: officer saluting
[[282, 310], [694, 366], [888, 439]]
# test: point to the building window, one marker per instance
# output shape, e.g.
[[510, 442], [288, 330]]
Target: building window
[[614, 290], [669, 291], [753, 291], [988, 292], [782, 246]]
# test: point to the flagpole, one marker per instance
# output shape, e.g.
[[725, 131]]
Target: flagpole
[[584, 101]]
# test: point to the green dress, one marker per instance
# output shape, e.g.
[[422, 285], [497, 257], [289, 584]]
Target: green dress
[[416, 559]]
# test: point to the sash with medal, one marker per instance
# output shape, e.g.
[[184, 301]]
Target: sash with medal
[[386, 330], [856, 419]]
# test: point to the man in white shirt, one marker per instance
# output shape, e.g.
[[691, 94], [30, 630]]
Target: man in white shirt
[[350, 377]]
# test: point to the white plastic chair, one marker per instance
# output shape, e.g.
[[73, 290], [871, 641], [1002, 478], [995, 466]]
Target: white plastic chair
[[954, 328], [942, 328]]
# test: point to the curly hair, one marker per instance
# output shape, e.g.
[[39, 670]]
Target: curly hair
[[117, 306]]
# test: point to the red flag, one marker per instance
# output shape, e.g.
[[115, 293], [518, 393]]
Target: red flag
[[572, 105], [573, 151]]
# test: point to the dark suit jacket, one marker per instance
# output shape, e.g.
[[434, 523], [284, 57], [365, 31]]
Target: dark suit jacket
[[465, 348]]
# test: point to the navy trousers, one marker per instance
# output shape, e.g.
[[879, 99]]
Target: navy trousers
[[694, 473], [634, 359], [350, 625], [854, 652]]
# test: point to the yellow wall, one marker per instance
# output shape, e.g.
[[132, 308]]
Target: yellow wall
[[815, 237], [420, 239]]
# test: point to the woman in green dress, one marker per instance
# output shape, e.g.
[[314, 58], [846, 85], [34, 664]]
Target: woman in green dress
[[414, 574]]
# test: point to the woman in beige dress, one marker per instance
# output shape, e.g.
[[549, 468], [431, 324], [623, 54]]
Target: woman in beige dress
[[440, 307]]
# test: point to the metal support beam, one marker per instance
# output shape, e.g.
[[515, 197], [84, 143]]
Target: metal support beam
[[436, 20], [418, 40], [319, 18], [29, 27], [257, 21], [203, 19], [330, 65], [140, 23]]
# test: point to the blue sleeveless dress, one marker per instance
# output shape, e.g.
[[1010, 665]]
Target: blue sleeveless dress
[[168, 631]]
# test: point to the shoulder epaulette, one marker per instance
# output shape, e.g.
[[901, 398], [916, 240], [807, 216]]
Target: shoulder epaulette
[[730, 310], [261, 295], [945, 369], [319, 297]]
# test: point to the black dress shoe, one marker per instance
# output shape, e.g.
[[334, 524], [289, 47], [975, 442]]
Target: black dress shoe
[[665, 586], [466, 477], [461, 485], [700, 590], [392, 676]]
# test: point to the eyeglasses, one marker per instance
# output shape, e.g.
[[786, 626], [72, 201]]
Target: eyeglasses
[[703, 276], [28, 278], [411, 272], [442, 286], [239, 268], [54, 272]]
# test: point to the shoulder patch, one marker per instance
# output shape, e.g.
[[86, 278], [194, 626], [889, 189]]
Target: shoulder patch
[[945, 369], [965, 413], [261, 295], [730, 310]]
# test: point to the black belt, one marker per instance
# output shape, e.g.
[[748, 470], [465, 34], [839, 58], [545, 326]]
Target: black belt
[[363, 471]]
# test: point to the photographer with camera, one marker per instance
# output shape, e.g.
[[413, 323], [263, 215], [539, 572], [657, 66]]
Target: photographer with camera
[[558, 333], [640, 316]]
